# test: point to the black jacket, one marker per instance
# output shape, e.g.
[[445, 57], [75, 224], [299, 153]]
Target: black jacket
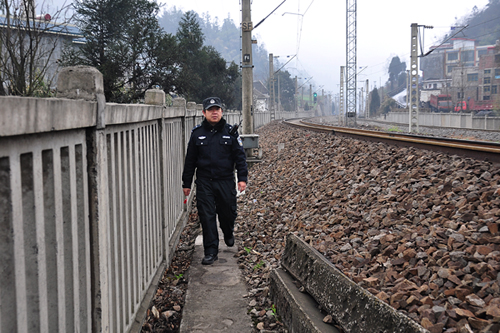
[[214, 153]]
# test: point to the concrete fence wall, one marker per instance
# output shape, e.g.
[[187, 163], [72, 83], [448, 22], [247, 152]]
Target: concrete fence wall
[[464, 120], [91, 206], [45, 248]]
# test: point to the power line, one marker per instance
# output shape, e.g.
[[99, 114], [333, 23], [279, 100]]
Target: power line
[[486, 34], [308, 7], [493, 19], [269, 14]]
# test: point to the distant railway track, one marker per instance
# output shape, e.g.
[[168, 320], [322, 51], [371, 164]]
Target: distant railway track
[[481, 150]]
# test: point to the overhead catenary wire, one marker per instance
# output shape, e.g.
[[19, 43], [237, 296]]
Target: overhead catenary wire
[[285, 64], [447, 39], [299, 32], [269, 14], [299, 36]]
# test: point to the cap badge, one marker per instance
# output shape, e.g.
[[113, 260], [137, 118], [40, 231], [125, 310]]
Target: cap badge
[[212, 101]]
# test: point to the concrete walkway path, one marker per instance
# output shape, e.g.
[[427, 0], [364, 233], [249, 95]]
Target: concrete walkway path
[[214, 298]]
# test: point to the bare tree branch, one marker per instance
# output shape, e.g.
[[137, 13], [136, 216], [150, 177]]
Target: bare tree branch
[[30, 45]]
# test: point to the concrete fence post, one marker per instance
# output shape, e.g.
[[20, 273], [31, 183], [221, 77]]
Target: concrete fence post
[[154, 97], [83, 82], [86, 83], [157, 97], [181, 104]]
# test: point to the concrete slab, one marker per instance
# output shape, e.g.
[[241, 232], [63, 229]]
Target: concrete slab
[[299, 311], [353, 307], [214, 299]]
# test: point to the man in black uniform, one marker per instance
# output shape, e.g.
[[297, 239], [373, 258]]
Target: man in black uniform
[[214, 151]]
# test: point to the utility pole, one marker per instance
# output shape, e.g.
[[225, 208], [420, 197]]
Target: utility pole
[[271, 86], [366, 99], [302, 97], [361, 105], [330, 108], [408, 90], [323, 102], [246, 67], [279, 95], [296, 96], [414, 96], [310, 96]]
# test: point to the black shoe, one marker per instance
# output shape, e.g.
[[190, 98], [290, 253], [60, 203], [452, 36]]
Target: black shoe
[[229, 241], [209, 259]]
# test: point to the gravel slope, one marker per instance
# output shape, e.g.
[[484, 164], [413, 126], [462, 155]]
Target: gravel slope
[[418, 229]]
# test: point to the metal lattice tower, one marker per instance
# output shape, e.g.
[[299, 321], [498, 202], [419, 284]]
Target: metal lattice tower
[[351, 51], [341, 97]]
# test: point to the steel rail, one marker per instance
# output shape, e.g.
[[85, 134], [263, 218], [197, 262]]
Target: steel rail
[[483, 150]]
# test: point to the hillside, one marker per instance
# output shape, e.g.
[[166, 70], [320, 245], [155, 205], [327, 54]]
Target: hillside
[[223, 36], [483, 25]]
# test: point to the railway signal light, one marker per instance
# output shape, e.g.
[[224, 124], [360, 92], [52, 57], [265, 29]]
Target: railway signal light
[[315, 95]]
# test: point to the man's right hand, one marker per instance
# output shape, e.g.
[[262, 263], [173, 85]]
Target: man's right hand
[[186, 191]]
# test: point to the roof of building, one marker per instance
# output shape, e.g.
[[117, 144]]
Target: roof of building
[[50, 27]]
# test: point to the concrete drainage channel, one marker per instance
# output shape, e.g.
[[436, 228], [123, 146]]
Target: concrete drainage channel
[[351, 306]]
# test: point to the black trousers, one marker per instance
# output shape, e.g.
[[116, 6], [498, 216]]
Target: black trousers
[[215, 198]]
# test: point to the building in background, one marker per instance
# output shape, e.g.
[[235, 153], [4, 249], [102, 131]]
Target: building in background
[[463, 70], [42, 32]]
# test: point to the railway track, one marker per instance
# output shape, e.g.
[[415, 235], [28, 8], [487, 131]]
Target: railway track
[[481, 150]]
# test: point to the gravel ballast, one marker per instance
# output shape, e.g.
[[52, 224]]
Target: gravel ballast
[[416, 228]]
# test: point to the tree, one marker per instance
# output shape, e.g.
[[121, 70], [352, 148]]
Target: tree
[[374, 102], [190, 39], [152, 53], [203, 72], [28, 45], [402, 79], [218, 79], [306, 106], [126, 44], [395, 68], [226, 39], [388, 105], [286, 90], [102, 23]]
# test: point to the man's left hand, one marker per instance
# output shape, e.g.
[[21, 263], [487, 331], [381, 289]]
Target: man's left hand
[[242, 186]]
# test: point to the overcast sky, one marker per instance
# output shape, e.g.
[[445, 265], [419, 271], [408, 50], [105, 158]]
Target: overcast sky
[[318, 35]]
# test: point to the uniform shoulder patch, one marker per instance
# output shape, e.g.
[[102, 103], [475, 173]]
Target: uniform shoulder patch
[[195, 128], [239, 141]]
